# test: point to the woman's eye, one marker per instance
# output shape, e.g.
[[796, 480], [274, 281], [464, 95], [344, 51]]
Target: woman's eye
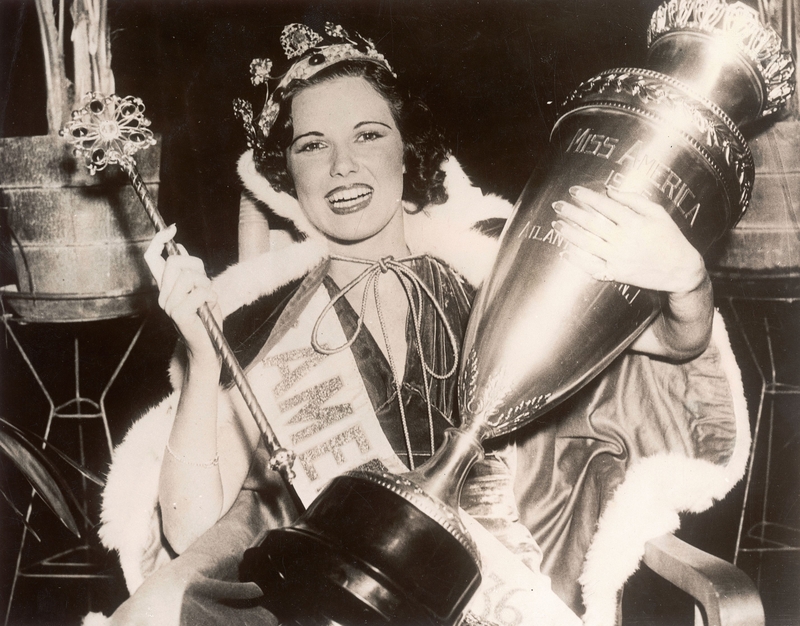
[[311, 146], [370, 135]]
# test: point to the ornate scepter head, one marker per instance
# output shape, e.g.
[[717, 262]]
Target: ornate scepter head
[[108, 130]]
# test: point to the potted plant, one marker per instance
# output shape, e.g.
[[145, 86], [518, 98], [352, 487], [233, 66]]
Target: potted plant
[[37, 461], [77, 239], [38, 464]]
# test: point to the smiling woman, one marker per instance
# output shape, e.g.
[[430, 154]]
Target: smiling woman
[[423, 142], [351, 337], [346, 161]]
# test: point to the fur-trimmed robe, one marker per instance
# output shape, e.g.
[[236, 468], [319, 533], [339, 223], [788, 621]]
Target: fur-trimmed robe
[[615, 467]]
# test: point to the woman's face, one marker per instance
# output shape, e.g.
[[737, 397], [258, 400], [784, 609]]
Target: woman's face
[[346, 160]]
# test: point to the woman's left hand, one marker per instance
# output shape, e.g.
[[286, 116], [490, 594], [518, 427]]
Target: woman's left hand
[[625, 237], [629, 239]]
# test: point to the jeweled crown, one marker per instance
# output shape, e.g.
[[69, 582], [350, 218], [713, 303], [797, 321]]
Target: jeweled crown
[[314, 52]]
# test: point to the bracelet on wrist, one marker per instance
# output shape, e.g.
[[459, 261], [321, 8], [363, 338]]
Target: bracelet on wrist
[[182, 459]]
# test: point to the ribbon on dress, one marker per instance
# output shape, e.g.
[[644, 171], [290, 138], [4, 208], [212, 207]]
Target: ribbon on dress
[[414, 288]]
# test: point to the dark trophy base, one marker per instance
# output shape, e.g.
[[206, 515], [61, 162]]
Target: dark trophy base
[[364, 554]]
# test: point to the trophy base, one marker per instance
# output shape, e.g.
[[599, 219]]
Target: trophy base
[[363, 554]]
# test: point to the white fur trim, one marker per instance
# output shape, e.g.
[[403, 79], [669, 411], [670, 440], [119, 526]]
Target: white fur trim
[[243, 283], [472, 253], [281, 203], [654, 491], [738, 462], [130, 497], [431, 231], [96, 619], [468, 200]]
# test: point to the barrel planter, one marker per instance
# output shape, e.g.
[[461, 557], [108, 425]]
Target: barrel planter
[[78, 240]]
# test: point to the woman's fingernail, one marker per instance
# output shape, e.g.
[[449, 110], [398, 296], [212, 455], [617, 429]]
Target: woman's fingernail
[[557, 225], [576, 191], [557, 206]]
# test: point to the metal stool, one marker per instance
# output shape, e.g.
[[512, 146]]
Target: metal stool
[[76, 562], [764, 535]]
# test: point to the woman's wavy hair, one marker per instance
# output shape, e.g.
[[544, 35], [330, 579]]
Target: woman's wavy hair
[[423, 141]]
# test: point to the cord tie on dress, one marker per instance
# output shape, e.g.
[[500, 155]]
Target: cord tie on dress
[[415, 289]]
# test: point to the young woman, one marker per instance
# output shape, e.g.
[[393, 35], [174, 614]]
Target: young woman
[[358, 323]]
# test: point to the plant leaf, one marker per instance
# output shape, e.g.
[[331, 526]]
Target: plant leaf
[[58, 103], [43, 455], [21, 516], [84, 471], [34, 467]]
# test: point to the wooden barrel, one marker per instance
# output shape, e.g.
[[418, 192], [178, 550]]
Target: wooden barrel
[[761, 255], [77, 239]]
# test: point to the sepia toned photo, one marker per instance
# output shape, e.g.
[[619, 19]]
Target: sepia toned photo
[[386, 312]]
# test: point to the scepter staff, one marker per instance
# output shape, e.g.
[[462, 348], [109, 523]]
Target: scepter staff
[[109, 130]]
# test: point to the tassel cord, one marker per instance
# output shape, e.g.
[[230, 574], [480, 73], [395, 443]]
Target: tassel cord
[[414, 289]]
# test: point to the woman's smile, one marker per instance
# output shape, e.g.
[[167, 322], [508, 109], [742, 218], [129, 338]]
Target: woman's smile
[[350, 198], [346, 161]]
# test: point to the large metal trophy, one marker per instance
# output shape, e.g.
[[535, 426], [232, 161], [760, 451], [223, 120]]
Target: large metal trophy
[[378, 548]]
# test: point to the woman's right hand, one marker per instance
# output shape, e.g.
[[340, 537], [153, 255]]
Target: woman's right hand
[[183, 289]]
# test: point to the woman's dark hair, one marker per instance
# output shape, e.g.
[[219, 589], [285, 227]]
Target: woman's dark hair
[[423, 141]]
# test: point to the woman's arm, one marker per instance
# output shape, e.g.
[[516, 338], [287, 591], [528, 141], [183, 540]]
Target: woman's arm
[[627, 238], [203, 468], [683, 328], [190, 487]]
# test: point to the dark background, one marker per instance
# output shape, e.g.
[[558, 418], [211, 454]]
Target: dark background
[[493, 72]]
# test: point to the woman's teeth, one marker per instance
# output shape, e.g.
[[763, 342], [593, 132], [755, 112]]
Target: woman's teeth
[[349, 200]]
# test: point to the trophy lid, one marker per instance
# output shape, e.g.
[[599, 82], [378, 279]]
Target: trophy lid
[[724, 52]]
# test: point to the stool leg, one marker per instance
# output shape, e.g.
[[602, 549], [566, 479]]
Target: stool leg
[[762, 530], [770, 430], [80, 404], [111, 380], [756, 430], [51, 415], [749, 478]]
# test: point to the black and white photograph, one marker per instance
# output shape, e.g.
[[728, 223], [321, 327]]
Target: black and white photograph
[[399, 312]]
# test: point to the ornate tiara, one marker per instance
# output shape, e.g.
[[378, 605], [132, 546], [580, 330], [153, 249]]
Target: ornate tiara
[[314, 52]]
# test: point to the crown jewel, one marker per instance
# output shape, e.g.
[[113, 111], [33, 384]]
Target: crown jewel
[[314, 52]]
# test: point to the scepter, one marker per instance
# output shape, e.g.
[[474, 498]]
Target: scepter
[[109, 130]]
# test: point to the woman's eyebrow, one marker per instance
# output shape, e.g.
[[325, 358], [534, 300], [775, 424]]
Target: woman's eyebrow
[[311, 133], [364, 123], [316, 133]]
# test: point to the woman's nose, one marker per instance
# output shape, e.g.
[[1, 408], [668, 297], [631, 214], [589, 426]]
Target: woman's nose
[[343, 162]]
